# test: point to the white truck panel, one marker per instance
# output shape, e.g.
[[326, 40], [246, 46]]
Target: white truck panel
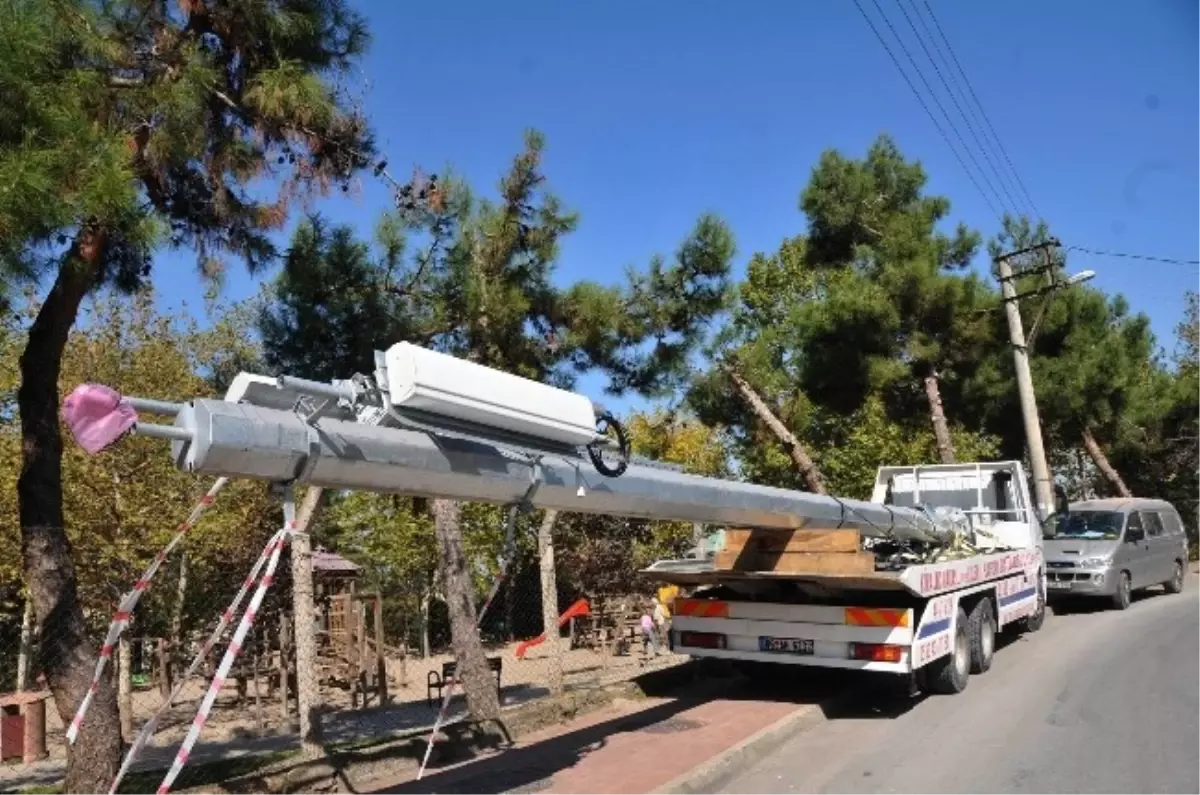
[[810, 660], [955, 575], [839, 633]]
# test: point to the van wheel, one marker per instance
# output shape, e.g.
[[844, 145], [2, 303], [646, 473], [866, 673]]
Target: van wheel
[[1175, 584], [950, 674], [1124, 594], [981, 629]]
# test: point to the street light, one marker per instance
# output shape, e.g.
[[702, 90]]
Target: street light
[[1042, 484], [1049, 291]]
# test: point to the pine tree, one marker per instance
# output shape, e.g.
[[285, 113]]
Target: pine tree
[[478, 285], [127, 125]]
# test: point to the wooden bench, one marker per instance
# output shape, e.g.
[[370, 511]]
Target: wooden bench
[[434, 682]]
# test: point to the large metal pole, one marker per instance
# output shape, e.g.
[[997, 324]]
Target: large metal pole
[[1043, 487], [243, 440]]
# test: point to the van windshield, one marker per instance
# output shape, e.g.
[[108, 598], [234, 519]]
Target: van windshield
[[1090, 524]]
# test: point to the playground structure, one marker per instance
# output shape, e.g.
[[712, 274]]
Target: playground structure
[[350, 646]]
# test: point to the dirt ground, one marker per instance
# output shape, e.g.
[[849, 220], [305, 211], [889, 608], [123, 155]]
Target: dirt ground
[[231, 720]]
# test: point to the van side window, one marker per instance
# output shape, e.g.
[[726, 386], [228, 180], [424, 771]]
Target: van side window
[[1172, 524], [1134, 522], [1154, 525]]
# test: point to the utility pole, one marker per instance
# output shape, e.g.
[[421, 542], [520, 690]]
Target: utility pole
[[1043, 487]]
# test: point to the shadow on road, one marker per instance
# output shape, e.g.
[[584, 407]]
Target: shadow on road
[[1083, 605]]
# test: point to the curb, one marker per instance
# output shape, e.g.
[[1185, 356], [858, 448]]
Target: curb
[[719, 770]]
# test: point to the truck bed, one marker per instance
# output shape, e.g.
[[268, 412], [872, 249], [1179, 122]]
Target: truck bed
[[702, 572], [924, 580]]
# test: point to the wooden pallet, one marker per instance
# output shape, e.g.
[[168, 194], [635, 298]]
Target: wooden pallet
[[794, 552]]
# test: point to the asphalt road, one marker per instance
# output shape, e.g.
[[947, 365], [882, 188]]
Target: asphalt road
[[1099, 701]]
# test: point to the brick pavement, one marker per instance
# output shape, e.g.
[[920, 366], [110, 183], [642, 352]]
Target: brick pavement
[[626, 747]]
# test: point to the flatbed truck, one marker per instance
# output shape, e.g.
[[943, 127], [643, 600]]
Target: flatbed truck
[[932, 620]]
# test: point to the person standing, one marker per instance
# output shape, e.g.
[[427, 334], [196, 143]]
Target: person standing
[[649, 636], [662, 622]]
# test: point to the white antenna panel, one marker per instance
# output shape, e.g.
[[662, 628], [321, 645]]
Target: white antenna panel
[[444, 385]]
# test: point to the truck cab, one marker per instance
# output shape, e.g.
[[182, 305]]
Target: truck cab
[[993, 497]]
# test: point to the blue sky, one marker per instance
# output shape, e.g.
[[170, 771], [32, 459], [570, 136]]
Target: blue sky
[[657, 112]]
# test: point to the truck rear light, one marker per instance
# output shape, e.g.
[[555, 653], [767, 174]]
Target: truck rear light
[[876, 652], [702, 640]]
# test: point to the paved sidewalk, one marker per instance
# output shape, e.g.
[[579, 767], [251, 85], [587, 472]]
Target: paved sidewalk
[[627, 747]]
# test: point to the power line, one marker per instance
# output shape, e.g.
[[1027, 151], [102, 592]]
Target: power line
[[933, 95], [983, 113], [925, 107], [1147, 257], [991, 155]]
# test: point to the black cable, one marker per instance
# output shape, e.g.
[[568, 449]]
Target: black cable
[[933, 95], [982, 112], [604, 423], [954, 98], [925, 107], [1146, 257]]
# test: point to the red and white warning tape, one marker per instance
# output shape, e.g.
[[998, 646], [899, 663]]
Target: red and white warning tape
[[149, 727], [273, 549], [128, 602]]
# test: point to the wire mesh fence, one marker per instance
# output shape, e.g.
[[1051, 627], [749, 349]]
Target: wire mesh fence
[[385, 651]]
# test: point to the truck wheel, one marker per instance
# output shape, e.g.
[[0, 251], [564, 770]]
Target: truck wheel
[[1034, 621], [981, 630], [1175, 584], [949, 675], [1124, 594]]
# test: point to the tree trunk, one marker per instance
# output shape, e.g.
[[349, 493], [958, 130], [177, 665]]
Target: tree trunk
[[307, 683], [477, 681], [67, 656], [804, 465], [1101, 461], [285, 646], [177, 617], [124, 668], [426, 600], [25, 650], [937, 415], [553, 643]]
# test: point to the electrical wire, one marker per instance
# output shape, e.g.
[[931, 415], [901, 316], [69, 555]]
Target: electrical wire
[[937, 102], [983, 113], [925, 107], [1122, 255], [974, 124]]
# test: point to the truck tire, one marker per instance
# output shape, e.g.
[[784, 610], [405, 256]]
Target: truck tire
[[1175, 584], [1123, 596], [1034, 621], [981, 630], [950, 674]]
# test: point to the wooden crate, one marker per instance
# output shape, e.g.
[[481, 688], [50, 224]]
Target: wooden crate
[[777, 541], [843, 563]]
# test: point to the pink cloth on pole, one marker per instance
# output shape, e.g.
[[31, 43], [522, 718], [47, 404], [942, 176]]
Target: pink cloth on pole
[[97, 416]]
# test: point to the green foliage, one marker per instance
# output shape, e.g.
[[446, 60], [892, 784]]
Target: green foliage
[[838, 329], [123, 505], [894, 308], [151, 124]]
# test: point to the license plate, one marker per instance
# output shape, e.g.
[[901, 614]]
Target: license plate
[[1063, 584], [785, 645]]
